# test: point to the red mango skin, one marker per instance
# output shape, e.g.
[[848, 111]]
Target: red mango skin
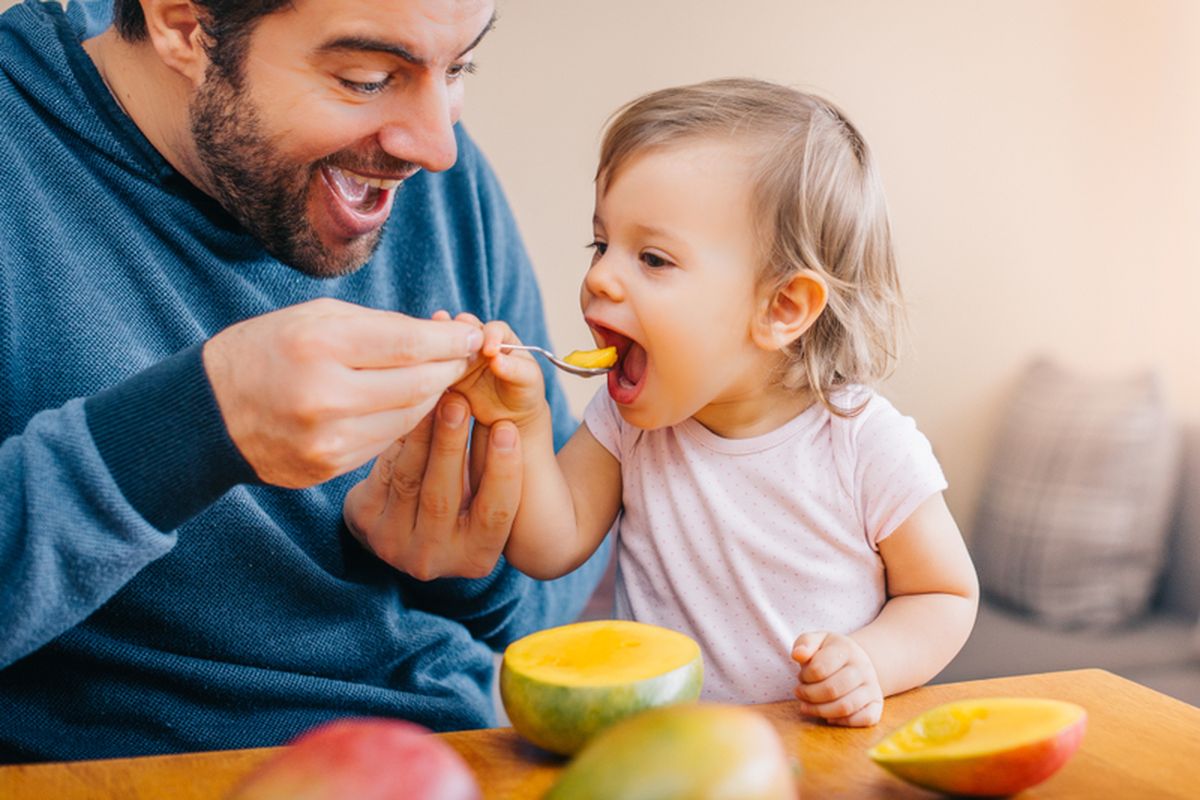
[[1003, 773], [364, 759]]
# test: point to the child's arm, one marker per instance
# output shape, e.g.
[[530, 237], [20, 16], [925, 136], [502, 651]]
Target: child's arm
[[567, 502], [933, 594]]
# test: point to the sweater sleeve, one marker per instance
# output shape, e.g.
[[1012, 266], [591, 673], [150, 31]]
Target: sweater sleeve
[[162, 436], [69, 538], [94, 490]]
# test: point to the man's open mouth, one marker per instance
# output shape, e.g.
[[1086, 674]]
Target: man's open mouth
[[359, 204]]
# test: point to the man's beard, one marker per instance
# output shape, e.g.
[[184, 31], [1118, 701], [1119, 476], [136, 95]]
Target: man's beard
[[264, 191]]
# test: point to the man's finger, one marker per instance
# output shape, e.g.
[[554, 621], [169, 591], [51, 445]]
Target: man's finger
[[367, 499], [375, 339], [495, 504], [404, 479], [442, 484], [402, 387]]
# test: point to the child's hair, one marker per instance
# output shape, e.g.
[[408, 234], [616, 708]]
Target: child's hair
[[819, 199]]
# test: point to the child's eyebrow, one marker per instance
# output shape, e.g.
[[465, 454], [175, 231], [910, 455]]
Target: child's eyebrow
[[653, 230], [640, 227], [371, 44]]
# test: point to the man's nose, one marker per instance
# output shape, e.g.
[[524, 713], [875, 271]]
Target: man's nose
[[420, 125]]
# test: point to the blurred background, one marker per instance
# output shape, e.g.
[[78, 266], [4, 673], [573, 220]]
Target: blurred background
[[1040, 159]]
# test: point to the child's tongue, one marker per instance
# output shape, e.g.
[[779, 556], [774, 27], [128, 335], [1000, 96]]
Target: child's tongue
[[633, 365]]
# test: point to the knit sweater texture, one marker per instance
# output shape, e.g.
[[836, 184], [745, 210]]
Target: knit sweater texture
[[154, 597]]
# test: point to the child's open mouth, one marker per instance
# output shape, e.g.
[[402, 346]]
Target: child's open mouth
[[627, 378]]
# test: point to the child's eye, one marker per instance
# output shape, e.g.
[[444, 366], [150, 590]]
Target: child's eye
[[598, 247], [654, 260]]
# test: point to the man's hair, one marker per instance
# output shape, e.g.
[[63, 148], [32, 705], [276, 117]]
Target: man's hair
[[818, 200], [228, 24]]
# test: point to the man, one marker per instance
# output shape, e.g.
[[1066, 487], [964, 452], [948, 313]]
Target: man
[[211, 216]]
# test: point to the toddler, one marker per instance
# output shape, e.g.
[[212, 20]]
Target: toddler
[[766, 501]]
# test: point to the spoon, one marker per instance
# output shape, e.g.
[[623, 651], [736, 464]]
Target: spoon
[[586, 372]]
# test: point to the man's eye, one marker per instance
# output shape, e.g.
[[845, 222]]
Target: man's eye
[[458, 70], [367, 87]]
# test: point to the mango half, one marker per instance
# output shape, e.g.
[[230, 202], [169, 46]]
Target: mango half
[[562, 685], [984, 747], [592, 359], [697, 751]]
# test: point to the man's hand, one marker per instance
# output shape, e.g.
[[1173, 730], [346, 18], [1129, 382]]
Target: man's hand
[[413, 510], [837, 680], [313, 391]]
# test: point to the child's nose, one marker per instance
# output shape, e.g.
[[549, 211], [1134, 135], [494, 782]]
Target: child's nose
[[601, 280]]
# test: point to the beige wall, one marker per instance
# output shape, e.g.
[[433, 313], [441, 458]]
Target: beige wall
[[1040, 157]]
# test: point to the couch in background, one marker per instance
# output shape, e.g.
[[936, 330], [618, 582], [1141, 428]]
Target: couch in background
[[1087, 537]]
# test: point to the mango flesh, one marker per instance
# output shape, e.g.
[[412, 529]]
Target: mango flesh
[[984, 747], [592, 359], [560, 686], [364, 759], [696, 751]]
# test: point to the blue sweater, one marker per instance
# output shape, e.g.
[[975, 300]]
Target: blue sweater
[[153, 596]]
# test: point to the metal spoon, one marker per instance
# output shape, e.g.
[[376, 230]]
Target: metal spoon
[[586, 372]]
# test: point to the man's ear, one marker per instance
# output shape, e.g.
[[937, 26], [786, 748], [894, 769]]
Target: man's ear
[[175, 32], [791, 310]]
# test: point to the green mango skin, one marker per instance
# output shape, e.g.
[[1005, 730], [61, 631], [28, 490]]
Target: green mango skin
[[687, 752], [562, 719]]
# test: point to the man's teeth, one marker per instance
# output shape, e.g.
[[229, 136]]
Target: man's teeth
[[378, 183]]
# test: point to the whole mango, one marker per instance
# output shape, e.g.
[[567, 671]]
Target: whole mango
[[696, 751], [364, 759]]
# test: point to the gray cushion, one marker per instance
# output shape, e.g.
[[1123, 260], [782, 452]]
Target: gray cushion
[[1005, 642], [1181, 582], [1073, 515]]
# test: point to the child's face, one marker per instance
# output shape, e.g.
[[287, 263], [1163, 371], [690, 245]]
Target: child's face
[[672, 285]]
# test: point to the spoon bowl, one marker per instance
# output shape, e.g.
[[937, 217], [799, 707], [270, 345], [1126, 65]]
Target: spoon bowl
[[584, 372]]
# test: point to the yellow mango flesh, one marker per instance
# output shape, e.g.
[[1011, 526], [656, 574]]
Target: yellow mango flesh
[[977, 726], [592, 359], [601, 653], [561, 686], [985, 747]]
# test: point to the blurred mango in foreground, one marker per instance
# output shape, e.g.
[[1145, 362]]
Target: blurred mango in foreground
[[695, 751]]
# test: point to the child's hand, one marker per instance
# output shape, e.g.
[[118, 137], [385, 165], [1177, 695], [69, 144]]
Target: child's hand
[[837, 680], [502, 385]]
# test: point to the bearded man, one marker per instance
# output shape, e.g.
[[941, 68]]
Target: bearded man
[[233, 478]]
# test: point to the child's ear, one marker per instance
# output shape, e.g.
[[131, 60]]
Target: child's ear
[[175, 32], [790, 310]]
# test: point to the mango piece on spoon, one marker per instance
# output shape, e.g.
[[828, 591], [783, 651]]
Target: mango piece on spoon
[[601, 358]]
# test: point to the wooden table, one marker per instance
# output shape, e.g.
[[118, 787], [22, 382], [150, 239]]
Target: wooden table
[[1139, 744]]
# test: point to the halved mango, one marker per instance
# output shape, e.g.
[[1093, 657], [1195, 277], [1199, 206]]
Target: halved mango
[[984, 747], [592, 359], [562, 685]]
